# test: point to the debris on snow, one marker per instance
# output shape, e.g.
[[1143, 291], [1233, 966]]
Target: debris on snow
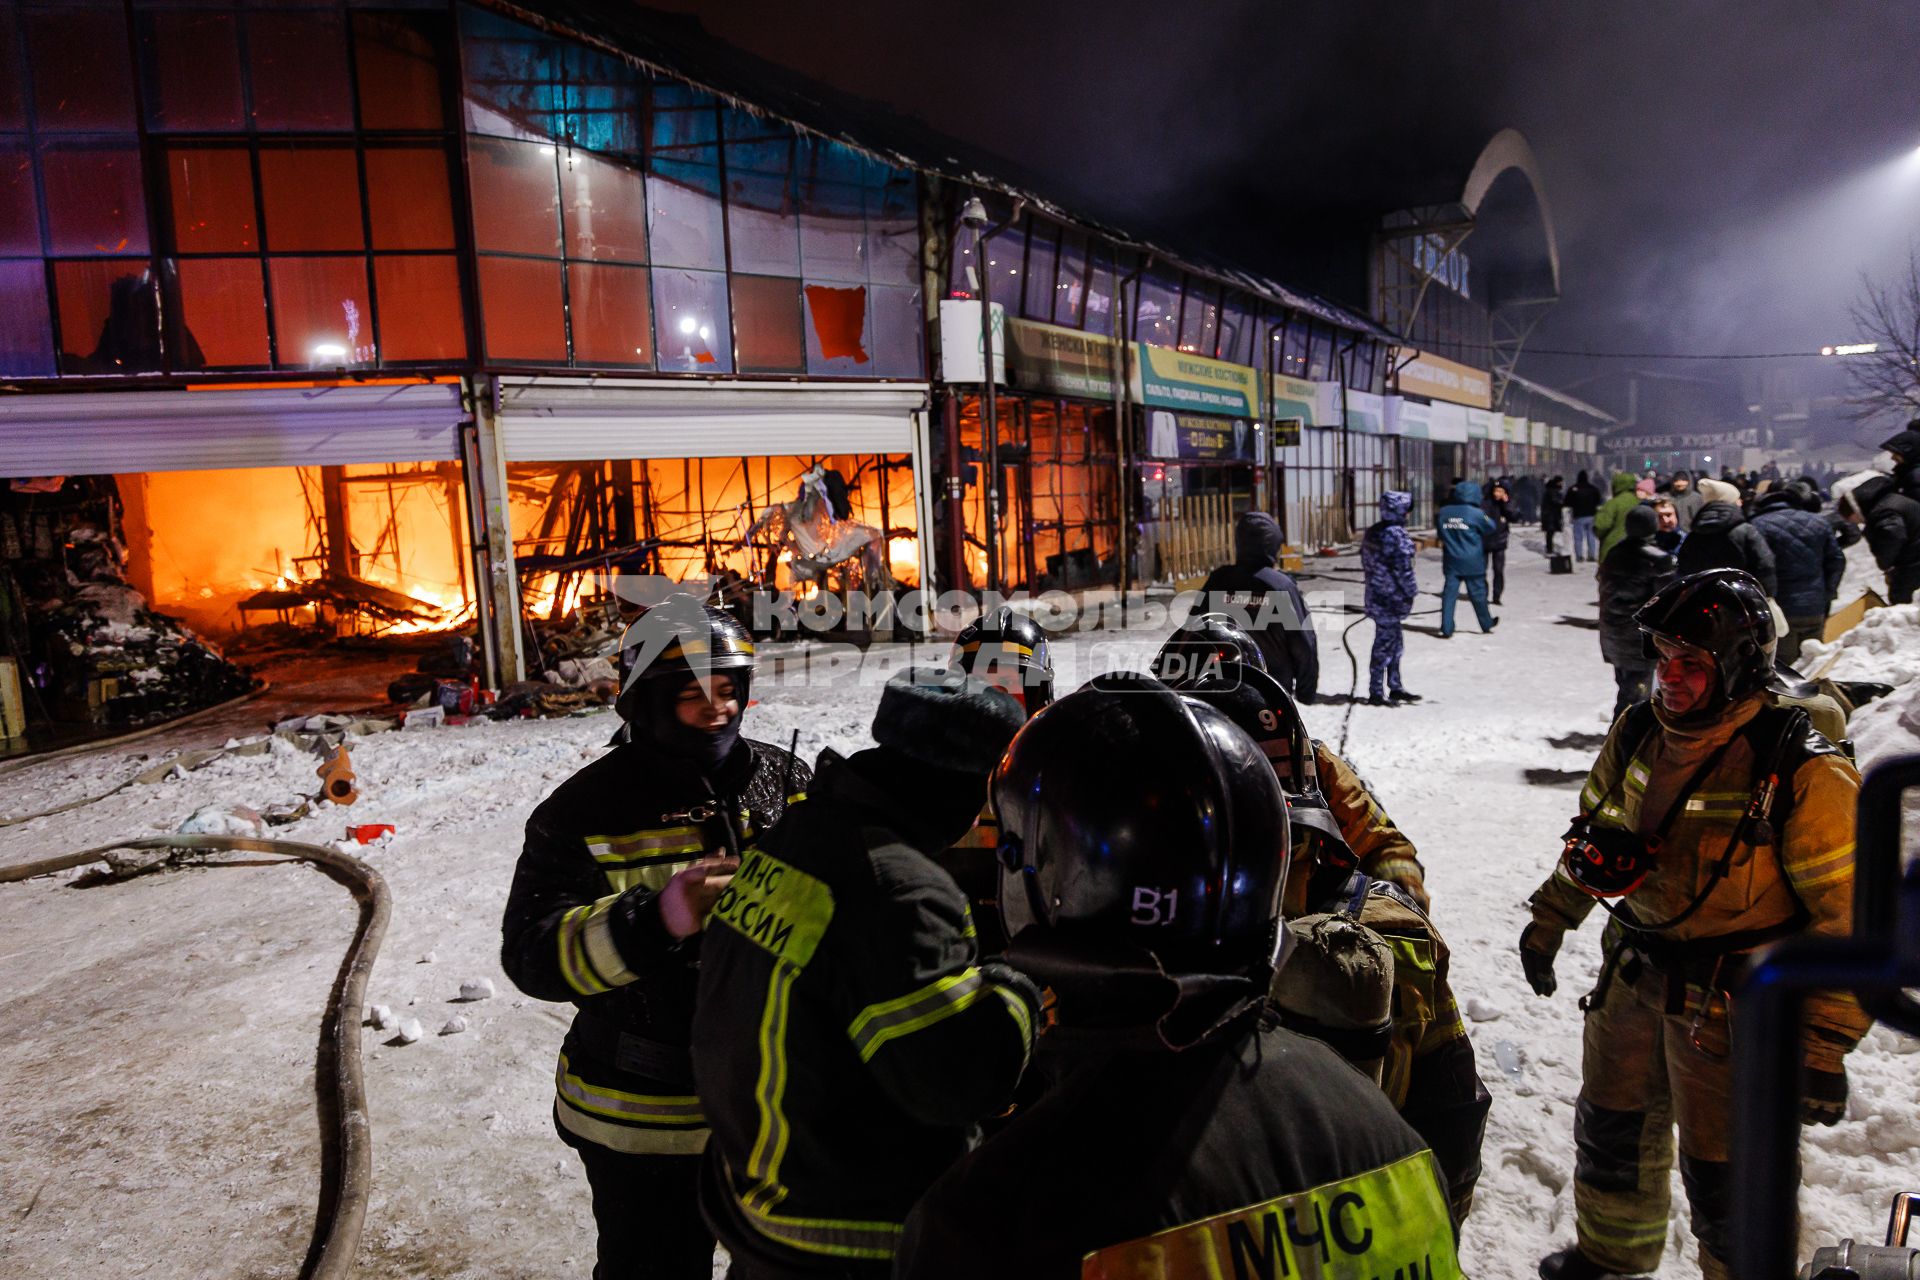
[[381, 1016], [476, 989], [1483, 1010], [428, 958], [408, 1031], [454, 1026], [224, 820]]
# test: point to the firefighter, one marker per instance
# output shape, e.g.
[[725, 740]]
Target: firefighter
[[1009, 651], [1207, 642], [1712, 822], [1188, 1133], [845, 1040], [1429, 1071], [621, 864]]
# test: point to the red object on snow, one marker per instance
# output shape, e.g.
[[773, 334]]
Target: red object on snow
[[368, 832]]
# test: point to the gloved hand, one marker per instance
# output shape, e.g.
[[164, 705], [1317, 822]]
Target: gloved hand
[[1823, 1099], [1406, 874], [1538, 947]]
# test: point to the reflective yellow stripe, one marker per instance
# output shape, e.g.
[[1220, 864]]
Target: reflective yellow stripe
[[1822, 868], [596, 932], [633, 1139], [652, 876], [915, 1011], [833, 1237], [637, 846], [666, 1110], [1390, 1221], [576, 967], [1022, 1019], [769, 1091]]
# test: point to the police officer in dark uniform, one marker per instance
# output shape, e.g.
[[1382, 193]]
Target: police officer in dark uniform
[[1146, 846], [620, 866]]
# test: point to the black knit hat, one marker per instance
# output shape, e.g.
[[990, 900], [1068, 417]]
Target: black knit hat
[[946, 720]]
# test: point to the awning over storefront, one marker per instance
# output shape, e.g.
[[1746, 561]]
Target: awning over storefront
[[97, 433], [589, 419]]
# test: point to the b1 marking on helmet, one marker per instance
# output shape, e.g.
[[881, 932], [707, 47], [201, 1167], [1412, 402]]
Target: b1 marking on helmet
[[1155, 906]]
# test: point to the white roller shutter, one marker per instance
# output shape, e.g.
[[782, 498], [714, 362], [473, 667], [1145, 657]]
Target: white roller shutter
[[97, 433], [585, 420]]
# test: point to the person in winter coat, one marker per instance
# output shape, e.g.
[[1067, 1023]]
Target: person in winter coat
[[1553, 501], [1686, 498], [847, 1039], [1499, 510], [1607, 521], [1583, 503], [1892, 523], [1267, 603], [1807, 565], [1905, 448], [1629, 576], [622, 864], [1464, 531], [1386, 554], [1721, 538], [1667, 535]]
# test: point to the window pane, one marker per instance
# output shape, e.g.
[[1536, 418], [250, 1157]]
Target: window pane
[[420, 313], [766, 324], [409, 198], [397, 60], [224, 310], [312, 198], [897, 327], [109, 322], [612, 317], [1158, 312], [1070, 291], [833, 230], [13, 102], [1200, 323], [298, 63], [1005, 253], [94, 198], [510, 76], [520, 305], [19, 211], [606, 208], [684, 200], [837, 329], [1102, 304], [1320, 354], [320, 312], [211, 190], [190, 64], [1039, 273], [598, 101], [685, 123], [1236, 334], [762, 227], [690, 310], [516, 197], [893, 229], [80, 76], [1293, 351], [26, 341]]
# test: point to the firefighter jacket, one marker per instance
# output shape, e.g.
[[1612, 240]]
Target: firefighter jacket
[[845, 1040], [1259, 1152], [1715, 891], [1429, 1074], [583, 925], [1384, 851]]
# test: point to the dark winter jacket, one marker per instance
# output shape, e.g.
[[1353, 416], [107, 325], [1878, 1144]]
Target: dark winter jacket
[[1893, 523], [846, 1039], [1267, 603], [1687, 505], [1807, 560], [1721, 538], [1629, 575], [1270, 1156], [1906, 472], [1464, 531], [1501, 513], [1607, 522], [583, 925], [1552, 501], [1583, 500], [1386, 553]]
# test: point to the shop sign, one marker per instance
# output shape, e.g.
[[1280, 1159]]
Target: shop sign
[[1190, 436], [1447, 422], [1538, 434], [1409, 418], [1562, 438], [1691, 441], [1483, 425], [1367, 413], [960, 341], [1437, 378], [1286, 432], [1059, 361], [1164, 379], [1316, 404], [1514, 429]]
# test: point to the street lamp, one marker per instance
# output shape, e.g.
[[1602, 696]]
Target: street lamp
[[974, 214]]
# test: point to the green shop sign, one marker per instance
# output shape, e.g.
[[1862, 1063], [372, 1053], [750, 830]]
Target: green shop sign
[[1164, 379], [1058, 361]]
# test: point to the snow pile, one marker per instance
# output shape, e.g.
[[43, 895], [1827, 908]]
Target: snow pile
[[1889, 727], [1862, 576], [1884, 647]]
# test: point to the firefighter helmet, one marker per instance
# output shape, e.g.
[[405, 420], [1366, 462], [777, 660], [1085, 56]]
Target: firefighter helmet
[[1006, 643], [1201, 646], [681, 639], [1133, 819], [1723, 614]]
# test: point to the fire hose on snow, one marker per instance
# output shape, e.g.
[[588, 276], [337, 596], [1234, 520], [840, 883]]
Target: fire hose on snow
[[343, 1195]]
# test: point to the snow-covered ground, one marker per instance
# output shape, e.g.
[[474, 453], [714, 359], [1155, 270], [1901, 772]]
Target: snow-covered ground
[[157, 1035]]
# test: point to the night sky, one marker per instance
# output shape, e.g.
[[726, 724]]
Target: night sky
[[1719, 173]]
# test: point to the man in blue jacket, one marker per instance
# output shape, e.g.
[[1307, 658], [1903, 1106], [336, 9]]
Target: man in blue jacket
[[1464, 530], [1807, 565]]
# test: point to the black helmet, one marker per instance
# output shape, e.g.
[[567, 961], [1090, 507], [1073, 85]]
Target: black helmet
[[677, 640], [1267, 713], [1007, 641], [1201, 645], [1133, 821], [1723, 613]]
